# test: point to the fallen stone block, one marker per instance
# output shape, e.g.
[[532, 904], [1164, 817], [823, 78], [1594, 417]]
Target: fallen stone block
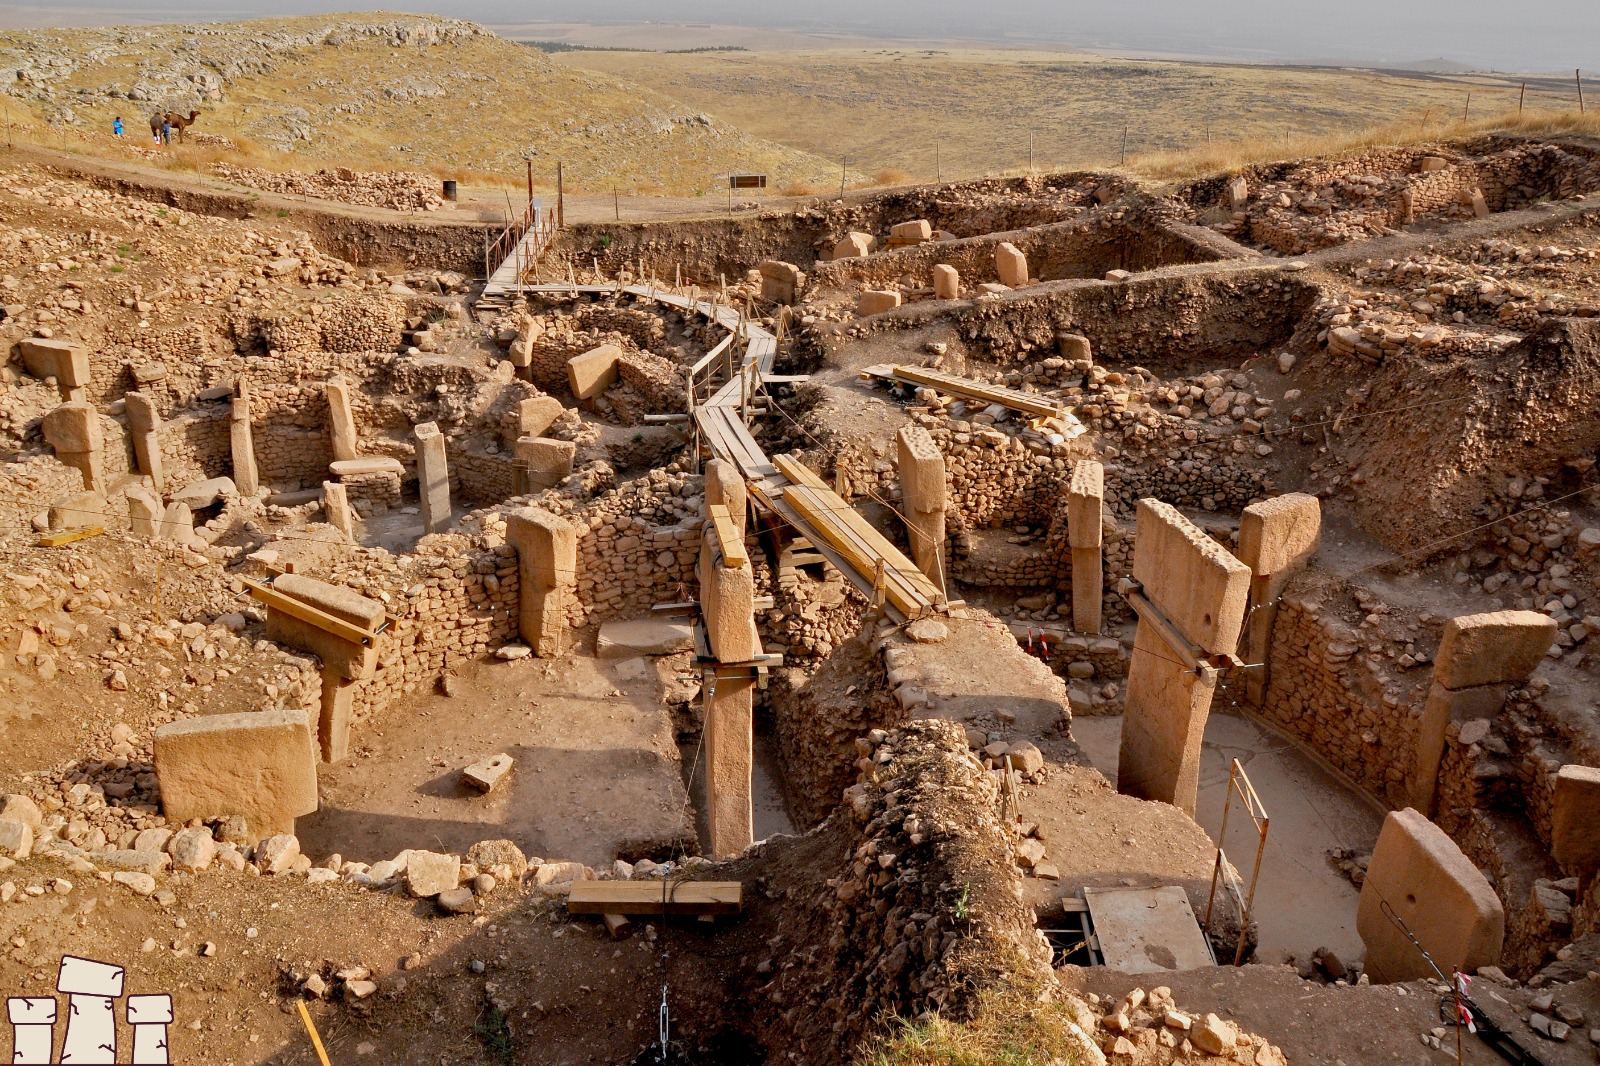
[[854, 245], [200, 494], [537, 415], [428, 873], [593, 372], [484, 774], [876, 301]]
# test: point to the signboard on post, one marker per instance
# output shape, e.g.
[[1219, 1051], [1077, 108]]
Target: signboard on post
[[745, 181]]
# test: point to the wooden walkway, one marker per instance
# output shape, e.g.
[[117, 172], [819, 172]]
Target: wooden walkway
[[783, 485], [1035, 407], [518, 249]]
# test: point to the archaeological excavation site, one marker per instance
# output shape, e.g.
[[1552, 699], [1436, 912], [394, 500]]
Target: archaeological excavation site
[[1149, 624]]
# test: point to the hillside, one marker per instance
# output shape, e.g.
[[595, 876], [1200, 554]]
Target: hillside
[[383, 91], [994, 110]]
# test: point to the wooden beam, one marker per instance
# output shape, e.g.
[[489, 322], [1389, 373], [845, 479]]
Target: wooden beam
[[68, 536], [306, 613], [965, 387], [798, 472], [655, 897], [733, 553]]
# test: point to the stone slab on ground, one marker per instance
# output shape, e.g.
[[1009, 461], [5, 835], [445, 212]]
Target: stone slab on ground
[[632, 637]]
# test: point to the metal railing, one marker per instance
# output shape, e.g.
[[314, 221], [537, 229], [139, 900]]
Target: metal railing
[[1222, 870]]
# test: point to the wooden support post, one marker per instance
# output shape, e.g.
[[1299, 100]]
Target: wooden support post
[[1523, 95], [530, 183], [561, 196], [1577, 75]]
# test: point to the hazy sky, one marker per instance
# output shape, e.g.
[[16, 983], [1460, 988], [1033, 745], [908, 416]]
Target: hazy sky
[[1531, 35]]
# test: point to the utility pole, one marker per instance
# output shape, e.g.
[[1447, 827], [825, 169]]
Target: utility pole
[[1522, 96], [1124, 145], [938, 176], [843, 167], [1577, 75], [530, 180], [1467, 110], [561, 196]]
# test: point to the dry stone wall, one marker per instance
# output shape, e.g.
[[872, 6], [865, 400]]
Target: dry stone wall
[[1325, 691]]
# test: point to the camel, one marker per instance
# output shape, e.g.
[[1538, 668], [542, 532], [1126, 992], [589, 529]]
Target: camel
[[179, 123]]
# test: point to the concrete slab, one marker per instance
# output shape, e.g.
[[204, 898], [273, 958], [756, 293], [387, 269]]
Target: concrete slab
[[1147, 930]]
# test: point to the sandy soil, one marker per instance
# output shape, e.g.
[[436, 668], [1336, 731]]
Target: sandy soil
[[596, 773]]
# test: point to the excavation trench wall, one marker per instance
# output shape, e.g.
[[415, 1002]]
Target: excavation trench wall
[[1105, 239], [905, 900], [350, 235], [1525, 412]]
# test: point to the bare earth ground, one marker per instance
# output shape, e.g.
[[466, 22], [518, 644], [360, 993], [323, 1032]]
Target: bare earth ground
[[596, 772]]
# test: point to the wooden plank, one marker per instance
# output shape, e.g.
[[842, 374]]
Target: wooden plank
[[306, 613], [706, 359], [1017, 401], [733, 553], [907, 587], [68, 536], [796, 471], [655, 897]]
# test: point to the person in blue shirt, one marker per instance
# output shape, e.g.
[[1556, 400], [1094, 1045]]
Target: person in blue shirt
[[116, 126]]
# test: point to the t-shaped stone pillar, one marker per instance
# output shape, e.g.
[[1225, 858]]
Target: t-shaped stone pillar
[[66, 362], [91, 1014], [727, 609], [1446, 903], [1086, 498], [547, 569], [73, 430], [241, 442], [33, 1021], [724, 485], [1575, 820], [344, 661], [341, 420], [1277, 537], [1191, 607], [1481, 658], [924, 494], [144, 425], [433, 478], [260, 765], [541, 463], [150, 1016]]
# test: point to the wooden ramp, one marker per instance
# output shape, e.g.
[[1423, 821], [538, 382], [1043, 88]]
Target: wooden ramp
[[518, 249], [784, 486]]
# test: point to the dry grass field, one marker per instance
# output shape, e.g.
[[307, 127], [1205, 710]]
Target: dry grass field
[[992, 111]]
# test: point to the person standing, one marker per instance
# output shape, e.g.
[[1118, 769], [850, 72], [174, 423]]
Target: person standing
[[166, 132], [116, 126]]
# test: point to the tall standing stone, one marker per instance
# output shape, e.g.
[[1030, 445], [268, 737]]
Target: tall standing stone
[[344, 661], [1199, 590], [1481, 658], [241, 442], [144, 425], [727, 609], [1277, 537], [547, 565], [73, 430], [341, 419], [433, 478], [925, 494], [1086, 497], [336, 508]]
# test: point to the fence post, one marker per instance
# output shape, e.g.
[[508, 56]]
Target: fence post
[[1577, 76], [561, 197]]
